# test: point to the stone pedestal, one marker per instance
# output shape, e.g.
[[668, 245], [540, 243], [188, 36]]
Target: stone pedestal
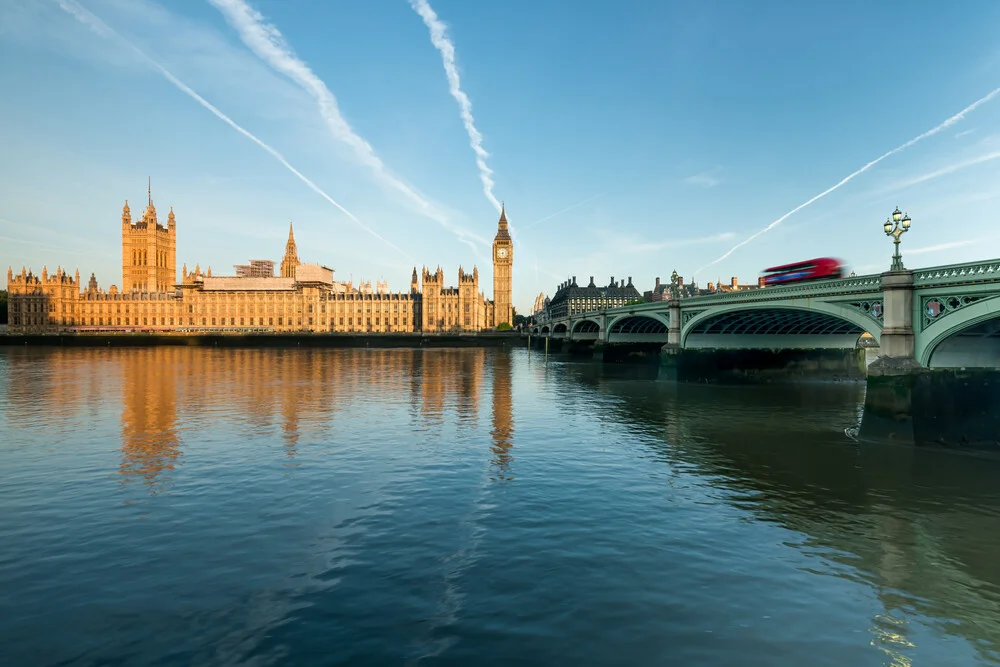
[[674, 330], [893, 375], [897, 340]]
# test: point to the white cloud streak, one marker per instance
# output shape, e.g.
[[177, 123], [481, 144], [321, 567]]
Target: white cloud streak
[[267, 42], [942, 246], [929, 133], [944, 171], [440, 40], [102, 29], [560, 212]]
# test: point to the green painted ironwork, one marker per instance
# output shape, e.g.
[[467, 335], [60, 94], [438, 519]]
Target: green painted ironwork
[[971, 272]]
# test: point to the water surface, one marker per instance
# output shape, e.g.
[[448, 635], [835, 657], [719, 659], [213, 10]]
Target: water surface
[[190, 506]]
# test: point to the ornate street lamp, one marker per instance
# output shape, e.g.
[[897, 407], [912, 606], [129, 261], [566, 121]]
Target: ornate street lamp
[[675, 289], [895, 227]]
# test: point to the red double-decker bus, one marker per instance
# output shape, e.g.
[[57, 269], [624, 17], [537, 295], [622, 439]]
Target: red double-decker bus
[[823, 268]]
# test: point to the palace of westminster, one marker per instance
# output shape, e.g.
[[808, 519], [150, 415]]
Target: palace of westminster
[[305, 298]]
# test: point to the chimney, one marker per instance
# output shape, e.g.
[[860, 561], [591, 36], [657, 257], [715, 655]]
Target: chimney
[[734, 283], [657, 281], [574, 280], [612, 281]]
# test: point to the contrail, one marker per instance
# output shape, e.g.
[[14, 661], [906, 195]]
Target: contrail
[[267, 42], [443, 44], [929, 133], [565, 210], [101, 28]]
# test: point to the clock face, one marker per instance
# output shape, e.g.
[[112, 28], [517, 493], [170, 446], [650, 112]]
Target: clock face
[[502, 253]]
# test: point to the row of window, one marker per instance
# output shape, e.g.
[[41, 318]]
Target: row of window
[[169, 321]]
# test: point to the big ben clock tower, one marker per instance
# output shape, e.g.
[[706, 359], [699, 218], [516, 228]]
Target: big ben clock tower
[[503, 265]]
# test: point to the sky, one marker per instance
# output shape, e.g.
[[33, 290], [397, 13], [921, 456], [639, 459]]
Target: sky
[[631, 138]]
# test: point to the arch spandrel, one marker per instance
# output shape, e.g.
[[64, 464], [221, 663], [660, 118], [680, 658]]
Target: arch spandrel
[[828, 319]]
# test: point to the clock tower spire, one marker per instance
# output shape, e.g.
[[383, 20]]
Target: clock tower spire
[[503, 264]]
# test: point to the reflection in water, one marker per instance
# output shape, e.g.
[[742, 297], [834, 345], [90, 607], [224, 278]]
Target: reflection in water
[[503, 421], [343, 506], [920, 527], [150, 444]]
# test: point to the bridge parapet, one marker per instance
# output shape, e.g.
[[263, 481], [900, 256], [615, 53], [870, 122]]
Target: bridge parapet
[[855, 285], [958, 274]]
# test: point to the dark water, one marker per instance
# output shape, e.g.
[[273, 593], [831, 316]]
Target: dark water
[[185, 506]]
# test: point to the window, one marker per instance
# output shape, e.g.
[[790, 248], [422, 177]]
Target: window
[[213, 321], [310, 319], [242, 321], [270, 321]]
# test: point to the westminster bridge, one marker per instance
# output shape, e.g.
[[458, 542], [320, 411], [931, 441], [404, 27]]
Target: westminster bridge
[[937, 331], [942, 316]]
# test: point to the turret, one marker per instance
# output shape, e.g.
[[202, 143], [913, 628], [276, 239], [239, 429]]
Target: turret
[[10, 275], [92, 285], [126, 215], [291, 258], [45, 274], [171, 221], [76, 277], [184, 273], [414, 284]]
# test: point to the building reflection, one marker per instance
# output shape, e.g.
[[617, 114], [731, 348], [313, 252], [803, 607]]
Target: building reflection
[[174, 399], [503, 419], [915, 526], [150, 443]]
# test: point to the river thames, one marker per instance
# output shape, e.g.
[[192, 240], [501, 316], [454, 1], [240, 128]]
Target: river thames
[[194, 506]]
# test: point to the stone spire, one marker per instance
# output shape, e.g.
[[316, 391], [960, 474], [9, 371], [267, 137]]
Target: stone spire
[[126, 214], [171, 221], [502, 230], [291, 259]]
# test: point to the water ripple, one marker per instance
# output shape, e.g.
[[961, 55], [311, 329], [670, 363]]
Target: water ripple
[[453, 507]]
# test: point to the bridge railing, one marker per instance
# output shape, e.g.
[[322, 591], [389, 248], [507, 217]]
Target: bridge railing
[[985, 271], [970, 272]]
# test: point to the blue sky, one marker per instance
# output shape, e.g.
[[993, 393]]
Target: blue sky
[[627, 139]]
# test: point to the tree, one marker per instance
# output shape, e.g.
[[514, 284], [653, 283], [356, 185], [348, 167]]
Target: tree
[[504, 326], [3, 306], [519, 320]]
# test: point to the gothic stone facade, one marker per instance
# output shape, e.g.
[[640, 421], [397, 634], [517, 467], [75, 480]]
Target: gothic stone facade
[[304, 299]]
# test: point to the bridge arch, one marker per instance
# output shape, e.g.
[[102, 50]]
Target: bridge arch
[[970, 337], [615, 323], [560, 328], [813, 324], [545, 329], [586, 326], [645, 328]]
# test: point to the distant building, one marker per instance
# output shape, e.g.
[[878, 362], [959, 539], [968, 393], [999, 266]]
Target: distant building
[[571, 299], [540, 309], [734, 286], [304, 298], [257, 268]]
